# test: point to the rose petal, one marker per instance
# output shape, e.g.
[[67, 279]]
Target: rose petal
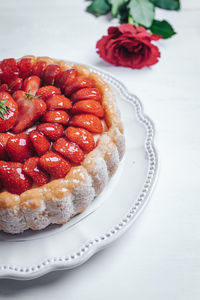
[[128, 46]]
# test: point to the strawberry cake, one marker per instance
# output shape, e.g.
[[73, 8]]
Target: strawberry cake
[[61, 139]]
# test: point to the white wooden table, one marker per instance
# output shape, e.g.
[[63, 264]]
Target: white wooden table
[[159, 257]]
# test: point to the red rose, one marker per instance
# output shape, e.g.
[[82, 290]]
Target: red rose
[[129, 46]]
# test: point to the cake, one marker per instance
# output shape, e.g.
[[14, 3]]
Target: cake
[[61, 140]]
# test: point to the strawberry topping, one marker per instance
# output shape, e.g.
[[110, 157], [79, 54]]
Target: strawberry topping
[[47, 91], [78, 83], [40, 142], [88, 121], [3, 141], [55, 164], [4, 87], [58, 102], [49, 74], [87, 93], [56, 116], [63, 126], [9, 70], [30, 109], [31, 84], [13, 177], [51, 130], [25, 67], [81, 137], [31, 169], [19, 147], [39, 67], [8, 111], [15, 85], [69, 150], [88, 106], [65, 78]]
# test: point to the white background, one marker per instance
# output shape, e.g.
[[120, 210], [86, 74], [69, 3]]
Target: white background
[[159, 257]]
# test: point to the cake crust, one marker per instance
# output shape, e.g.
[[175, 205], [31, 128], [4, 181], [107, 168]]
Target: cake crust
[[59, 200]]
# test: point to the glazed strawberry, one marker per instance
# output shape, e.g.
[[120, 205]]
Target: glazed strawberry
[[88, 121], [54, 164], [39, 67], [47, 91], [86, 94], [51, 130], [31, 84], [8, 111], [19, 147], [13, 177], [9, 70], [83, 138], [56, 116], [31, 169], [88, 106], [25, 67], [69, 150], [15, 85], [58, 102], [4, 88], [40, 142], [78, 83], [30, 109], [49, 74], [1, 186], [3, 141], [64, 78]]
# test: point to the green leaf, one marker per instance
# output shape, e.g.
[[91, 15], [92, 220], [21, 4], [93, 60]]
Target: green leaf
[[142, 12], [167, 4], [99, 7], [4, 109], [163, 28], [116, 5]]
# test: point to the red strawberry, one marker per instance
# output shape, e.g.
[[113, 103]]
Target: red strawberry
[[58, 102], [40, 142], [13, 177], [78, 83], [55, 164], [25, 67], [69, 150], [4, 88], [8, 111], [65, 78], [39, 67], [1, 73], [31, 84], [9, 70], [30, 109], [3, 141], [15, 85], [51, 130], [47, 91], [88, 106], [19, 147], [56, 116], [1, 186], [90, 122], [81, 137], [86, 94], [49, 74], [31, 169]]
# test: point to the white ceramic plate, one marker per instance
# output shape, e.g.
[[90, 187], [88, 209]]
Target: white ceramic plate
[[33, 254]]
